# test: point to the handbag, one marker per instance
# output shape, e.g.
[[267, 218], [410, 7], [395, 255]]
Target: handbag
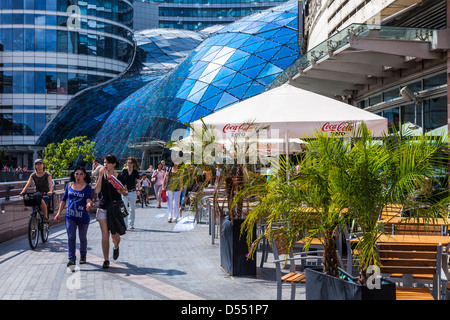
[[164, 197], [117, 207]]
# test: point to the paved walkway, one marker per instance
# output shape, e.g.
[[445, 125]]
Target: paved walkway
[[158, 261]]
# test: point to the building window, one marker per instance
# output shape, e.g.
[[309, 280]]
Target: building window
[[393, 116], [435, 81], [435, 113]]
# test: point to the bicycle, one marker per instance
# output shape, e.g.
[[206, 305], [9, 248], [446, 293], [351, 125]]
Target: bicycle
[[36, 223], [143, 197]]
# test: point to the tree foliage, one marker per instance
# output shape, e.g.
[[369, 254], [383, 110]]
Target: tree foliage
[[62, 156]]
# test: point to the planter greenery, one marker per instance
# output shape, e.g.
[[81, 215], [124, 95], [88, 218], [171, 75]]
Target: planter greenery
[[345, 181]]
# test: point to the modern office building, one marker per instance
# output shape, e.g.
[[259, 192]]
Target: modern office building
[[388, 57], [49, 51], [195, 14]]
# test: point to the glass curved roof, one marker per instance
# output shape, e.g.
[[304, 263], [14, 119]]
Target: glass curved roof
[[159, 51], [235, 63]]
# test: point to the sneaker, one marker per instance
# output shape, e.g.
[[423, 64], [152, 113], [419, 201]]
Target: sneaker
[[105, 264], [70, 263], [83, 260], [116, 253]]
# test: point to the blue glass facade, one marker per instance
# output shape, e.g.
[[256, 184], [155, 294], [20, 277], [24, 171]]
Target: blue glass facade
[[49, 51], [159, 51], [236, 63]]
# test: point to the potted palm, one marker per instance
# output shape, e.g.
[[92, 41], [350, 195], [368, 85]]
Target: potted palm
[[347, 182], [234, 176]]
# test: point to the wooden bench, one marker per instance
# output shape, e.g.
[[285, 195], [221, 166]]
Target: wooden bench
[[282, 256], [411, 261]]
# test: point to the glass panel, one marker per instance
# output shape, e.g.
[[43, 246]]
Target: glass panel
[[393, 117], [18, 124], [28, 19], [39, 4], [72, 83], [28, 83], [5, 4], [411, 113], [435, 113], [7, 39], [62, 83], [62, 41], [39, 39], [435, 81], [6, 82], [39, 120], [17, 81], [29, 39], [29, 4], [17, 39], [17, 18], [51, 40], [375, 99], [51, 5], [7, 18], [6, 128], [29, 125], [51, 82], [40, 83], [39, 19], [17, 4], [391, 94]]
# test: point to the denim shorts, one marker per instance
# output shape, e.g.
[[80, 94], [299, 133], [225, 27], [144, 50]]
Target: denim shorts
[[101, 214]]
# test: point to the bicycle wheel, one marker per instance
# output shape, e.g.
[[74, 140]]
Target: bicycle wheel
[[142, 199], [33, 231], [44, 231]]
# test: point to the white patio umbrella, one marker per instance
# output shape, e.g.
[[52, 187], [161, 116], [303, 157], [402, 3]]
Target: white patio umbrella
[[295, 113]]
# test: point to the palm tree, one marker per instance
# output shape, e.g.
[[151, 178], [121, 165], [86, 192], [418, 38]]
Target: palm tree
[[340, 182]]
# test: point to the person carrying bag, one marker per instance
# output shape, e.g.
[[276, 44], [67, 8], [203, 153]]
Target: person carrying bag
[[111, 208]]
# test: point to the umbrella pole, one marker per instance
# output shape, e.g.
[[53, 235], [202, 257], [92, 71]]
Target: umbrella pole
[[286, 149]]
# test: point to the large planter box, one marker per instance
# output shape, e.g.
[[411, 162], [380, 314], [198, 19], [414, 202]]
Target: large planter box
[[320, 286], [233, 250]]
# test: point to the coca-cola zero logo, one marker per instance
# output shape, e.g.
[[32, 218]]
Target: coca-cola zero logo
[[244, 127]]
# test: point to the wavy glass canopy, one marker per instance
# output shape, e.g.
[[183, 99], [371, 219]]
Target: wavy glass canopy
[[235, 63]]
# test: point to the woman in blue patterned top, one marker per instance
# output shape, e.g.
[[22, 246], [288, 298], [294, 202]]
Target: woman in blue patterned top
[[78, 194]]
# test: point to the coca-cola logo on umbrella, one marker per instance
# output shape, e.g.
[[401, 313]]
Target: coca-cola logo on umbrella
[[244, 127], [343, 127]]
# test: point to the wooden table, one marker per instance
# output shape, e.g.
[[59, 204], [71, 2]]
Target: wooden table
[[417, 240], [407, 221]]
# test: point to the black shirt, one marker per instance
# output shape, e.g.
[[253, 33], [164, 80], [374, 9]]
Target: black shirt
[[109, 191], [41, 183], [131, 178]]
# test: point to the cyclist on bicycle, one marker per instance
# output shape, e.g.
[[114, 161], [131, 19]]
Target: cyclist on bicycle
[[43, 183], [145, 183]]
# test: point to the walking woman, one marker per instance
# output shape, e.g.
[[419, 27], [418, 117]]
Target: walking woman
[[132, 178], [109, 194], [158, 177], [78, 195], [174, 186], [43, 183]]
